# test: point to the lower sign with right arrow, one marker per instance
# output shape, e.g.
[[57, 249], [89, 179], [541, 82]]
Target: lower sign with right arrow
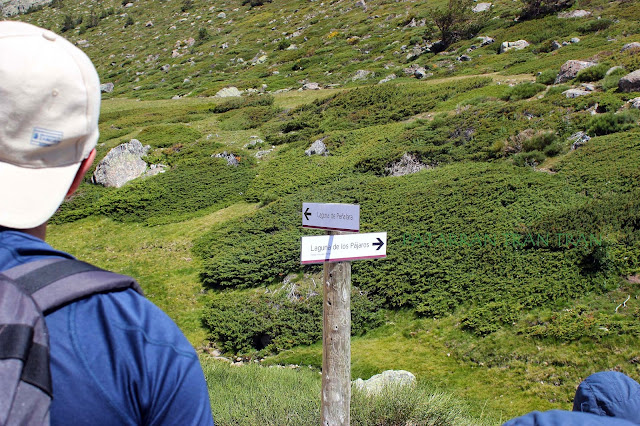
[[343, 248]]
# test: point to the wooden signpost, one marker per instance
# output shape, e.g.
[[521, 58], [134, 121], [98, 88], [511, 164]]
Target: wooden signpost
[[335, 250]]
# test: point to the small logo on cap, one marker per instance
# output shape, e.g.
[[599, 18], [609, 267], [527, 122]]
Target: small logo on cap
[[45, 137]]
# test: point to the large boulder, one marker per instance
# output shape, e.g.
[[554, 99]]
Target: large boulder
[[106, 87], [388, 378], [317, 148], [513, 45], [630, 82], [121, 165], [631, 46], [362, 75], [481, 7], [574, 14], [407, 165], [228, 92], [570, 69]]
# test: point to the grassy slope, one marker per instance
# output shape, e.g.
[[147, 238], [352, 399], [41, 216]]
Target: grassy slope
[[501, 375]]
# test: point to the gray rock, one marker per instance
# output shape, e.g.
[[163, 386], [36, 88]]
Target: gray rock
[[228, 92], [317, 148], [407, 165], [361, 4], [362, 75], [106, 87], [631, 46], [555, 45], [121, 165], [165, 68], [630, 82], [421, 73], [377, 383], [311, 86], [574, 14], [231, 158], [222, 15], [481, 7], [570, 69], [513, 45], [635, 103], [485, 41], [149, 24], [464, 58], [574, 40], [155, 169], [574, 93], [578, 139], [388, 78]]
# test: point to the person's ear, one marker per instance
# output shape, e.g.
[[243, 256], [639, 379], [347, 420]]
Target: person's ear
[[84, 168]]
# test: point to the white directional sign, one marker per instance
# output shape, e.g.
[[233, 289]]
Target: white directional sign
[[347, 247], [335, 217]]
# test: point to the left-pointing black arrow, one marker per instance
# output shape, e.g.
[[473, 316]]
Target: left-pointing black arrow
[[307, 213], [380, 243]]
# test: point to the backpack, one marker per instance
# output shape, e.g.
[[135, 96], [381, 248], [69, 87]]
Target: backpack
[[29, 292]]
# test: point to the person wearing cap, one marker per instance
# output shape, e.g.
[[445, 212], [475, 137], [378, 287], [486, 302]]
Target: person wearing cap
[[115, 357]]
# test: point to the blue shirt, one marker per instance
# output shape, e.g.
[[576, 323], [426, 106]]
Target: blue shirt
[[116, 358]]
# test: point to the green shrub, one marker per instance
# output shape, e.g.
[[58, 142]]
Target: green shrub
[[547, 77], [491, 317], [166, 135], [247, 323], [528, 159], [523, 91], [539, 141], [593, 73], [604, 124], [595, 25]]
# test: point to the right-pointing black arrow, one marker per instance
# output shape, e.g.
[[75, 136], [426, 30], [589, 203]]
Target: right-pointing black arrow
[[307, 213], [379, 244]]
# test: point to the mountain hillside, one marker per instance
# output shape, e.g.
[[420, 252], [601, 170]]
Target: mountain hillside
[[496, 143]]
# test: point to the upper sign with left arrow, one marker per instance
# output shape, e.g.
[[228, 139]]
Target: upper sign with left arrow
[[333, 217]]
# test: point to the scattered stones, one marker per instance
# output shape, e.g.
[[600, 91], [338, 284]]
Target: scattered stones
[[630, 46], [377, 383], [152, 58], [262, 153], [255, 140], [464, 58], [570, 69], [388, 79], [574, 40], [574, 14], [260, 58], [232, 159], [317, 148], [228, 92], [362, 75], [121, 165], [578, 139], [407, 165], [513, 45], [555, 45], [106, 87], [165, 68], [481, 7], [361, 4], [83, 43], [635, 103], [630, 82]]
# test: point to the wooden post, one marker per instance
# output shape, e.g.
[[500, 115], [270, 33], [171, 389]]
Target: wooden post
[[336, 345]]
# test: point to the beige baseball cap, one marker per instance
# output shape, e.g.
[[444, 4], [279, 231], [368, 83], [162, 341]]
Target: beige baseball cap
[[49, 108]]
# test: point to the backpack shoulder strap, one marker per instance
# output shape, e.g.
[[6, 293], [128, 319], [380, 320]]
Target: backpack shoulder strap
[[25, 379], [56, 282]]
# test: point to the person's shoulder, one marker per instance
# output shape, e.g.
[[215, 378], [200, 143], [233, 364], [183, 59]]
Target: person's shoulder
[[566, 418]]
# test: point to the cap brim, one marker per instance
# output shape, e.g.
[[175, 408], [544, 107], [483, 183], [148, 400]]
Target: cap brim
[[30, 197]]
